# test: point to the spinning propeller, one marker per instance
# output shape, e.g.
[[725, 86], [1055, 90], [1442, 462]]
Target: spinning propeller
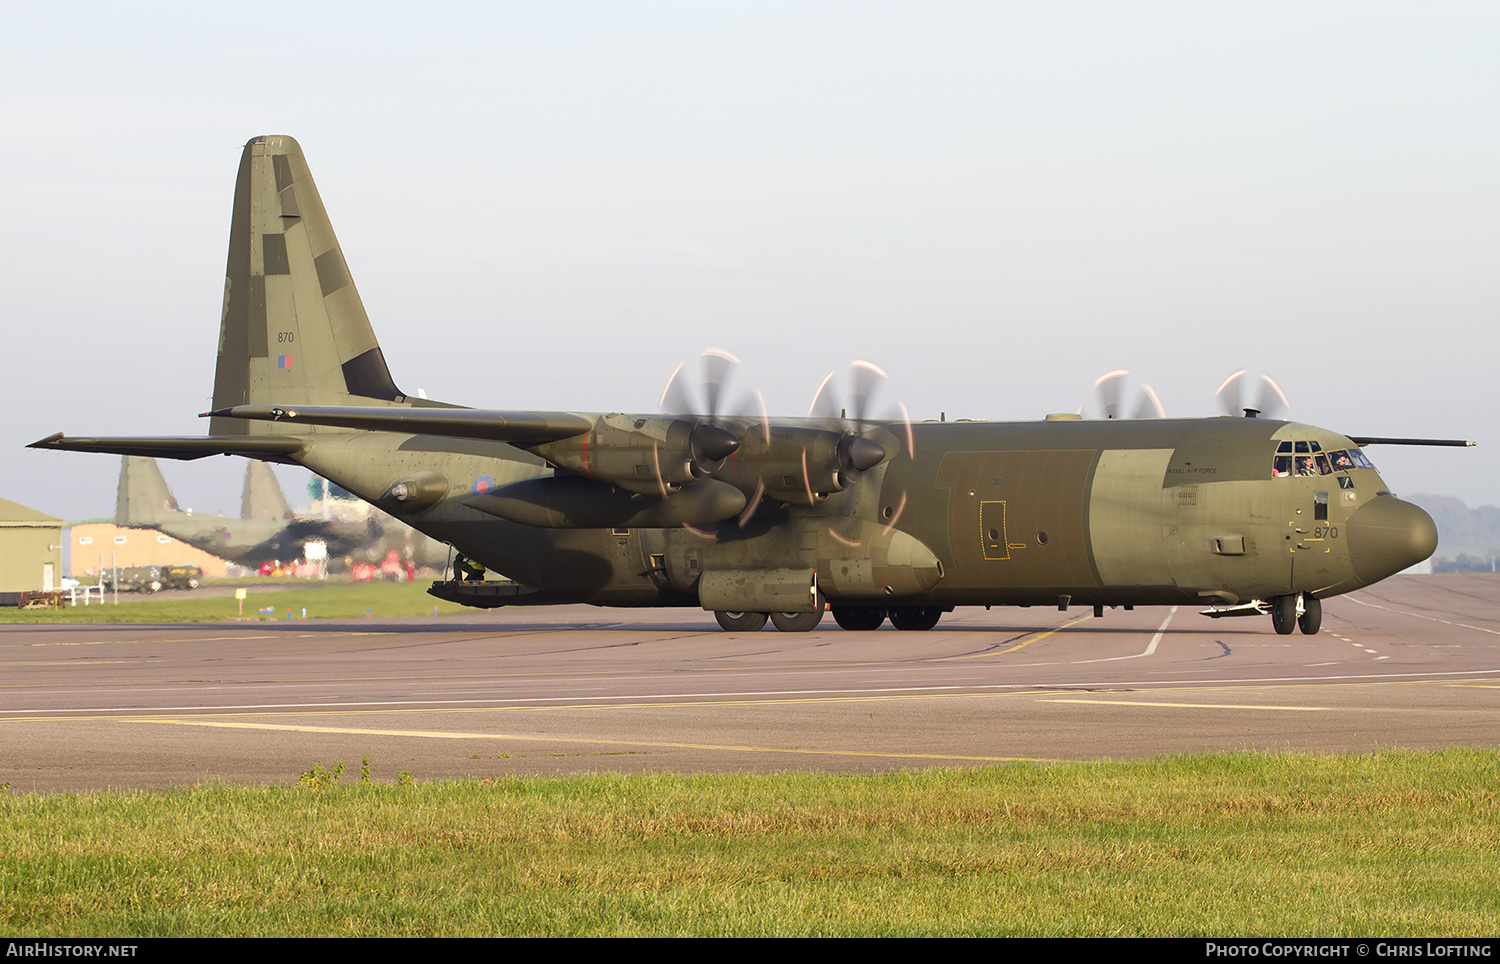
[[1272, 403], [703, 399], [857, 453], [713, 440], [1110, 387], [798, 464], [855, 412]]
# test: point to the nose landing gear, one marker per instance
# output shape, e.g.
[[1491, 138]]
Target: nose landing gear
[[1297, 611]]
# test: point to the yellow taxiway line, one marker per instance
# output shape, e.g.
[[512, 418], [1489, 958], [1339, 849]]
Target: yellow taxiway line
[[592, 741]]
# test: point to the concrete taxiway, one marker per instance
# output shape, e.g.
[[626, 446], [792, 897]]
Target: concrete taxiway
[[1412, 662]]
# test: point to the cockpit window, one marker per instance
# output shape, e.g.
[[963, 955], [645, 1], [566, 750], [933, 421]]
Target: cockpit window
[[1307, 458], [1308, 465]]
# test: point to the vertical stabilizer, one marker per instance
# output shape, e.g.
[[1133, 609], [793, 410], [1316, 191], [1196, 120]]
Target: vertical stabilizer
[[262, 499], [143, 498], [294, 330]]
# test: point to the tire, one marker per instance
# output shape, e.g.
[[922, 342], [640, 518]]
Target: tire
[[1311, 619], [741, 622], [857, 619], [797, 622], [915, 619], [1284, 614]]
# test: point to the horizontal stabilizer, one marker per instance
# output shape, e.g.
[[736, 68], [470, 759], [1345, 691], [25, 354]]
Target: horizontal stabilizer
[[526, 428], [272, 448]]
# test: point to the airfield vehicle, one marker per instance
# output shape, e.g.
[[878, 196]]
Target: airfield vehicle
[[133, 579], [182, 577]]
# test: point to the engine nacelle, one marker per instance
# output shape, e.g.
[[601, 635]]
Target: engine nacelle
[[802, 465], [651, 455]]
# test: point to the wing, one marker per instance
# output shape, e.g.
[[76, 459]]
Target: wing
[[524, 428]]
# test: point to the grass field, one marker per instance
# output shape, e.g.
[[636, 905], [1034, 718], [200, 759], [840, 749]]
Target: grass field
[[1389, 844], [322, 600]]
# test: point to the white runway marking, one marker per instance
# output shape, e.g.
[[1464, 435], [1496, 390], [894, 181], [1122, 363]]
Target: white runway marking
[[1192, 706], [1150, 648], [1403, 612]]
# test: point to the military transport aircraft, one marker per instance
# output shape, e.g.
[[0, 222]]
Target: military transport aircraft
[[267, 528], [751, 517]]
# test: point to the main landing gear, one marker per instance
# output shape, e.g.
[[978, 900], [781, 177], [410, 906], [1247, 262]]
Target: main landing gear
[[754, 622], [853, 618], [1296, 612], [741, 622]]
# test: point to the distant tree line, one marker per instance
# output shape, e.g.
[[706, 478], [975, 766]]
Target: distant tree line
[[1465, 563], [1468, 539]]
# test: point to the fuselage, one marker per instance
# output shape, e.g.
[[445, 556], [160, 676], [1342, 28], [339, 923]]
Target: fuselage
[[1118, 512]]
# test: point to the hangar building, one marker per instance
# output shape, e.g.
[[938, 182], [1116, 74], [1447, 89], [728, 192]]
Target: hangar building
[[30, 551]]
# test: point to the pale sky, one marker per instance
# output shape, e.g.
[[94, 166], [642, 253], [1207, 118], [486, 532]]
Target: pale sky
[[549, 205]]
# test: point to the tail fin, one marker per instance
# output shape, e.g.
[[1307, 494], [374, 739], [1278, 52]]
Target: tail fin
[[143, 498], [294, 330], [262, 499]]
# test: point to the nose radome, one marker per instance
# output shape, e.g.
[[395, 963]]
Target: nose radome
[[1387, 535]]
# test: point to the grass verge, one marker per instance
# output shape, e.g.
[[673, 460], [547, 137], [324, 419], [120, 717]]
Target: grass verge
[[1392, 843], [321, 600]]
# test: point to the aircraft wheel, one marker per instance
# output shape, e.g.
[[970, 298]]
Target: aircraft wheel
[[916, 619], [1284, 614], [858, 620], [741, 622], [797, 622], [1311, 619]]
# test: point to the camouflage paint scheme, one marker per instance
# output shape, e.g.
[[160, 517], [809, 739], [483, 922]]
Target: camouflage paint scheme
[[627, 510]]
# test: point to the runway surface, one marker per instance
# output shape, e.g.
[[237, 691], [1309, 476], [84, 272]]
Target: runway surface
[[1413, 662]]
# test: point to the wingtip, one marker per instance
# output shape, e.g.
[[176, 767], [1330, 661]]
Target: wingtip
[[46, 443]]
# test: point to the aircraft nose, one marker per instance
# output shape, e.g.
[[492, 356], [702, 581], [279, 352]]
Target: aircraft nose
[[1387, 535]]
